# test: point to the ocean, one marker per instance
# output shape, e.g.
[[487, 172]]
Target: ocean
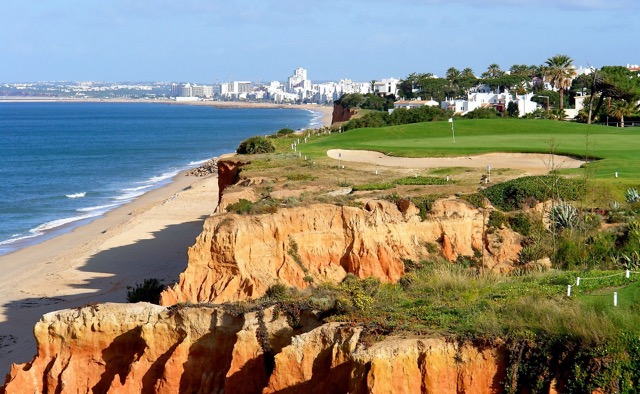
[[65, 164]]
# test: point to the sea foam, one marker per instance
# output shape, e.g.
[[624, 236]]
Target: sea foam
[[76, 195]]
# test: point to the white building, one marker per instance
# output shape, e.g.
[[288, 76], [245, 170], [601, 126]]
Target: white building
[[235, 89], [298, 81], [409, 104], [386, 87], [189, 90], [484, 97]]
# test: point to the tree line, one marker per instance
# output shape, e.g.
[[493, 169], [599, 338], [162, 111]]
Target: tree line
[[615, 89]]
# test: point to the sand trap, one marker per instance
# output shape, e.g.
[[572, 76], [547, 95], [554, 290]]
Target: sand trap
[[535, 163]]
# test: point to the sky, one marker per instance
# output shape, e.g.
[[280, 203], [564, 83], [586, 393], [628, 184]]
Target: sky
[[210, 41]]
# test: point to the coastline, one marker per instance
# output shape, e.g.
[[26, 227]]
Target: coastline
[[325, 120], [96, 262]]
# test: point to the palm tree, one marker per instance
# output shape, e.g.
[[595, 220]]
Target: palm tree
[[559, 71], [453, 74], [620, 109], [467, 73], [493, 71]]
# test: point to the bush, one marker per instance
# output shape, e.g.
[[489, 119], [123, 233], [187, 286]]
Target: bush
[[516, 193], [482, 113], [148, 291], [255, 145], [284, 132], [497, 219], [277, 292], [246, 207], [425, 203], [301, 177], [521, 224], [243, 206]]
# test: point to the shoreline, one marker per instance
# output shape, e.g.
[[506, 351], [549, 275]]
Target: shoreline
[[95, 262], [326, 111], [14, 245]]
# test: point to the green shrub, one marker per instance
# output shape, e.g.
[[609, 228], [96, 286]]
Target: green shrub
[[425, 203], [520, 192], [284, 132], [147, 291], [482, 113], [475, 199], [295, 255], [373, 186], [277, 292], [421, 180], [301, 177], [246, 207], [497, 219], [520, 223], [255, 145], [243, 206]]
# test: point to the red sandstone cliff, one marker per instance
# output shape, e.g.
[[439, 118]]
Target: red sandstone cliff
[[341, 114], [142, 348], [151, 349], [238, 257]]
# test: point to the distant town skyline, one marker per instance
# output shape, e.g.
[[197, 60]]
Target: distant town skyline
[[209, 41]]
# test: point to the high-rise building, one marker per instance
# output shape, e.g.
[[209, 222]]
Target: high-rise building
[[189, 90], [298, 80]]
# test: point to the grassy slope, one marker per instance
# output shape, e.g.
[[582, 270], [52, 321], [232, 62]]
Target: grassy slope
[[616, 146], [450, 299]]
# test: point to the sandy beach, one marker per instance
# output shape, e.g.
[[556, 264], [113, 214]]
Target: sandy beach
[[147, 238]]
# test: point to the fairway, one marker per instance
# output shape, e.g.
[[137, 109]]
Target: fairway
[[615, 148]]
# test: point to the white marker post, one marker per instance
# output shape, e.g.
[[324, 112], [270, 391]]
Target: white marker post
[[627, 274], [615, 298], [568, 290], [453, 132], [578, 281], [489, 169]]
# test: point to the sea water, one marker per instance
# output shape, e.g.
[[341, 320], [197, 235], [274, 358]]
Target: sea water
[[64, 164]]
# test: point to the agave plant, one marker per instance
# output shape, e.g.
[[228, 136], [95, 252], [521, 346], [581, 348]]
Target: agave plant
[[632, 195], [564, 215], [629, 261], [614, 205]]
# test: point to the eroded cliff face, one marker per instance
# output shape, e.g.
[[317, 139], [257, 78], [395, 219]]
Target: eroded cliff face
[[204, 349], [144, 348], [341, 114], [237, 257]]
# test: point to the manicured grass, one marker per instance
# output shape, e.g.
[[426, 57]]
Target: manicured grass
[[628, 298], [616, 147]]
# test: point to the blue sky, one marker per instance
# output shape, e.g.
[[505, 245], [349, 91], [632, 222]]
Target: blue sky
[[206, 41]]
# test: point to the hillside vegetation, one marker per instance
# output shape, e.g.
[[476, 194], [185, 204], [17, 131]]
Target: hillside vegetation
[[589, 229]]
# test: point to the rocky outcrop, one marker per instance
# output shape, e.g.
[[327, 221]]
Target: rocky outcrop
[[341, 114], [142, 348], [228, 172], [238, 257]]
